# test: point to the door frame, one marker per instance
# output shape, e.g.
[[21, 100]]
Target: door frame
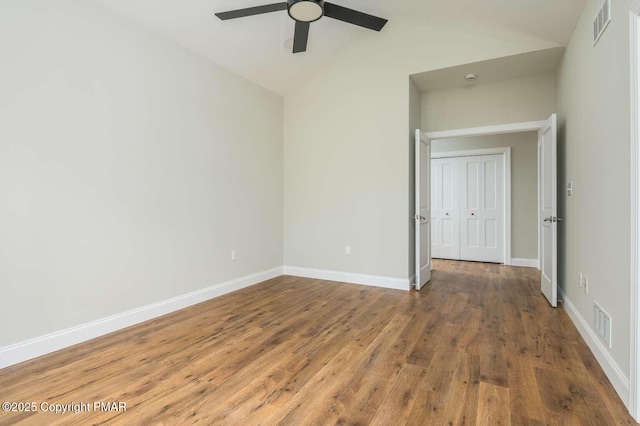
[[506, 162], [634, 379], [527, 126]]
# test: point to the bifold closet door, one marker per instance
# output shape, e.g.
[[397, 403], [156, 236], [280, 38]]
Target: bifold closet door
[[445, 204], [482, 208]]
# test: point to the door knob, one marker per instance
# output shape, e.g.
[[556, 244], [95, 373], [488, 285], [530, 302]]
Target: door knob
[[553, 219]]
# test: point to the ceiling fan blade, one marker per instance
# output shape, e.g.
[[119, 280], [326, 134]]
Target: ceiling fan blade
[[257, 10], [353, 17], [301, 36]]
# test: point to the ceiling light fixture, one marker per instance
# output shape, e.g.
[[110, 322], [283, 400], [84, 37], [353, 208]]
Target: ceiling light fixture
[[471, 77], [305, 10]]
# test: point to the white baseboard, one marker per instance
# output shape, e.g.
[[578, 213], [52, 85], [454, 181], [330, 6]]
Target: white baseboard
[[613, 371], [23, 351], [347, 277], [527, 263]]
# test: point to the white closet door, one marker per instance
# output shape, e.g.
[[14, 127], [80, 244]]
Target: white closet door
[[445, 227], [482, 208]]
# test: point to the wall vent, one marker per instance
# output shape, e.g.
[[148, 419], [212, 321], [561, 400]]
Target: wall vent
[[602, 324], [601, 21]]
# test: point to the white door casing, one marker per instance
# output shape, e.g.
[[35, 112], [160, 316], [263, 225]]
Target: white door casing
[[634, 382], [445, 227], [547, 153], [422, 215], [528, 126], [470, 206]]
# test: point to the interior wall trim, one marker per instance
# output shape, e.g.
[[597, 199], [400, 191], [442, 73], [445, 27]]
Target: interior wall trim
[[29, 349], [527, 263], [634, 61], [613, 371], [498, 129], [347, 277]]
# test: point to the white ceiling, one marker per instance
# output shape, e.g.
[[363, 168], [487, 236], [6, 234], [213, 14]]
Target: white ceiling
[[254, 47], [505, 68]]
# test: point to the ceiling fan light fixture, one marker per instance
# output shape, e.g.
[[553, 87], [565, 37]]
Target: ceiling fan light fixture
[[305, 10]]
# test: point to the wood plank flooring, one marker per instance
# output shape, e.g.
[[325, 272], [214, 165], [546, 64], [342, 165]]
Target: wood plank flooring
[[479, 345]]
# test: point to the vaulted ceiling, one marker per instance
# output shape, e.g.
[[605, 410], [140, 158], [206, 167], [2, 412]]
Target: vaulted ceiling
[[259, 47]]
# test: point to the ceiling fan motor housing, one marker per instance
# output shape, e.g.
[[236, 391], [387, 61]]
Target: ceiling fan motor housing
[[305, 10]]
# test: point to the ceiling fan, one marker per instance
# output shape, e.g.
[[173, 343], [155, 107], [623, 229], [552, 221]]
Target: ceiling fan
[[304, 12]]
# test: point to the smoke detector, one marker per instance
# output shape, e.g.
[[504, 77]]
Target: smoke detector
[[471, 77]]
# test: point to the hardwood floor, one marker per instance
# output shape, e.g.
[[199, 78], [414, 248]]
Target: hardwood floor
[[479, 345]]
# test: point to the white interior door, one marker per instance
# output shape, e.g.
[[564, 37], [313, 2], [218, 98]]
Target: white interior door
[[548, 211], [482, 208], [422, 214], [445, 200]]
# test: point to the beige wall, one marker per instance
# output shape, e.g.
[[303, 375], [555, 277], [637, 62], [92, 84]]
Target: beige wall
[[594, 154], [529, 98], [346, 155], [129, 169], [524, 183]]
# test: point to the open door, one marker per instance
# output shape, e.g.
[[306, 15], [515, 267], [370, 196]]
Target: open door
[[422, 215], [547, 152]]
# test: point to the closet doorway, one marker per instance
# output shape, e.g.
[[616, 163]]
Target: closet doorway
[[470, 204]]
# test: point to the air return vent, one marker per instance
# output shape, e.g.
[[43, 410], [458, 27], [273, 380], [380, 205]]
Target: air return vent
[[601, 21], [602, 324]]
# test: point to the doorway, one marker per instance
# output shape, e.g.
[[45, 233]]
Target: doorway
[[547, 192], [520, 151], [469, 205]]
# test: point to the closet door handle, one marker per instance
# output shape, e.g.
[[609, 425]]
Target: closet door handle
[[553, 219]]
